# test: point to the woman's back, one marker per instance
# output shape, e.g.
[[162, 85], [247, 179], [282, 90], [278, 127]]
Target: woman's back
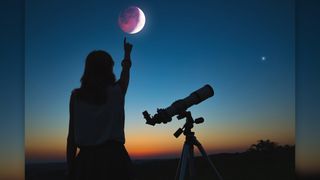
[[95, 124]]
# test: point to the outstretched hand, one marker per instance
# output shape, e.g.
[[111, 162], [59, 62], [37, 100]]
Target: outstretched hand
[[127, 48], [126, 63]]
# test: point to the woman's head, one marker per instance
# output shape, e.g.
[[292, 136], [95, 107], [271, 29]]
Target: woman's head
[[98, 75], [98, 70]]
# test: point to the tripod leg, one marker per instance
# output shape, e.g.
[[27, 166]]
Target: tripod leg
[[184, 161], [191, 163], [204, 154], [179, 164]]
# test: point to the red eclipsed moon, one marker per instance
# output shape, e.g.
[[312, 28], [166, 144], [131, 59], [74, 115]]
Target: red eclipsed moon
[[131, 20]]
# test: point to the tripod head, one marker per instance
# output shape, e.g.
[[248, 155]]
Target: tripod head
[[187, 156], [186, 129]]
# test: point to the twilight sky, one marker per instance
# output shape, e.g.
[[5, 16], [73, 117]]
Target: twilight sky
[[223, 40], [243, 49]]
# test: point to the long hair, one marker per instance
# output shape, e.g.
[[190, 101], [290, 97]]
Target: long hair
[[98, 75]]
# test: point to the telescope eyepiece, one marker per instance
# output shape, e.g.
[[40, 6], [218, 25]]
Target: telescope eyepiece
[[149, 120]]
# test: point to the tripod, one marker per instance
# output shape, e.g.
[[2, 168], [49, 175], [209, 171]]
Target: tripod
[[187, 155]]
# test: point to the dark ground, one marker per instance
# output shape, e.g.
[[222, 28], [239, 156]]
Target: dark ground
[[239, 166]]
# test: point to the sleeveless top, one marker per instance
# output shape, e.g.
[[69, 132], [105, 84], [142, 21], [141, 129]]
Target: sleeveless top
[[96, 124]]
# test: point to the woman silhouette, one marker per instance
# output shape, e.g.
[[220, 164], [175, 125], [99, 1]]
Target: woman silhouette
[[96, 124]]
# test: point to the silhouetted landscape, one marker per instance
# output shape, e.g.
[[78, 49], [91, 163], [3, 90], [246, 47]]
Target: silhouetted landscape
[[264, 160]]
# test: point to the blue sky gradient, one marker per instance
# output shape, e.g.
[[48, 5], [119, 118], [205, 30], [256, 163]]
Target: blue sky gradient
[[181, 48]]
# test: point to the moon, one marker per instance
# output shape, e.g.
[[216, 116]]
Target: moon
[[132, 20]]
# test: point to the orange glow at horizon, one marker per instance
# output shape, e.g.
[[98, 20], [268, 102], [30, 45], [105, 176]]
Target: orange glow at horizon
[[150, 142]]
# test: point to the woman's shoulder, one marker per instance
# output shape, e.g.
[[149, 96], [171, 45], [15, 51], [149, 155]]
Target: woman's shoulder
[[116, 88], [75, 92]]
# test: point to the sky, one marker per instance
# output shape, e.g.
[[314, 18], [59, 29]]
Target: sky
[[308, 88], [12, 90], [182, 47]]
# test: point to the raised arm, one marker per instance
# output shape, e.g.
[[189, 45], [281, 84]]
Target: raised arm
[[126, 65]]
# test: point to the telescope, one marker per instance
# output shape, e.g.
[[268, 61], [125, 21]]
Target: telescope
[[165, 115]]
